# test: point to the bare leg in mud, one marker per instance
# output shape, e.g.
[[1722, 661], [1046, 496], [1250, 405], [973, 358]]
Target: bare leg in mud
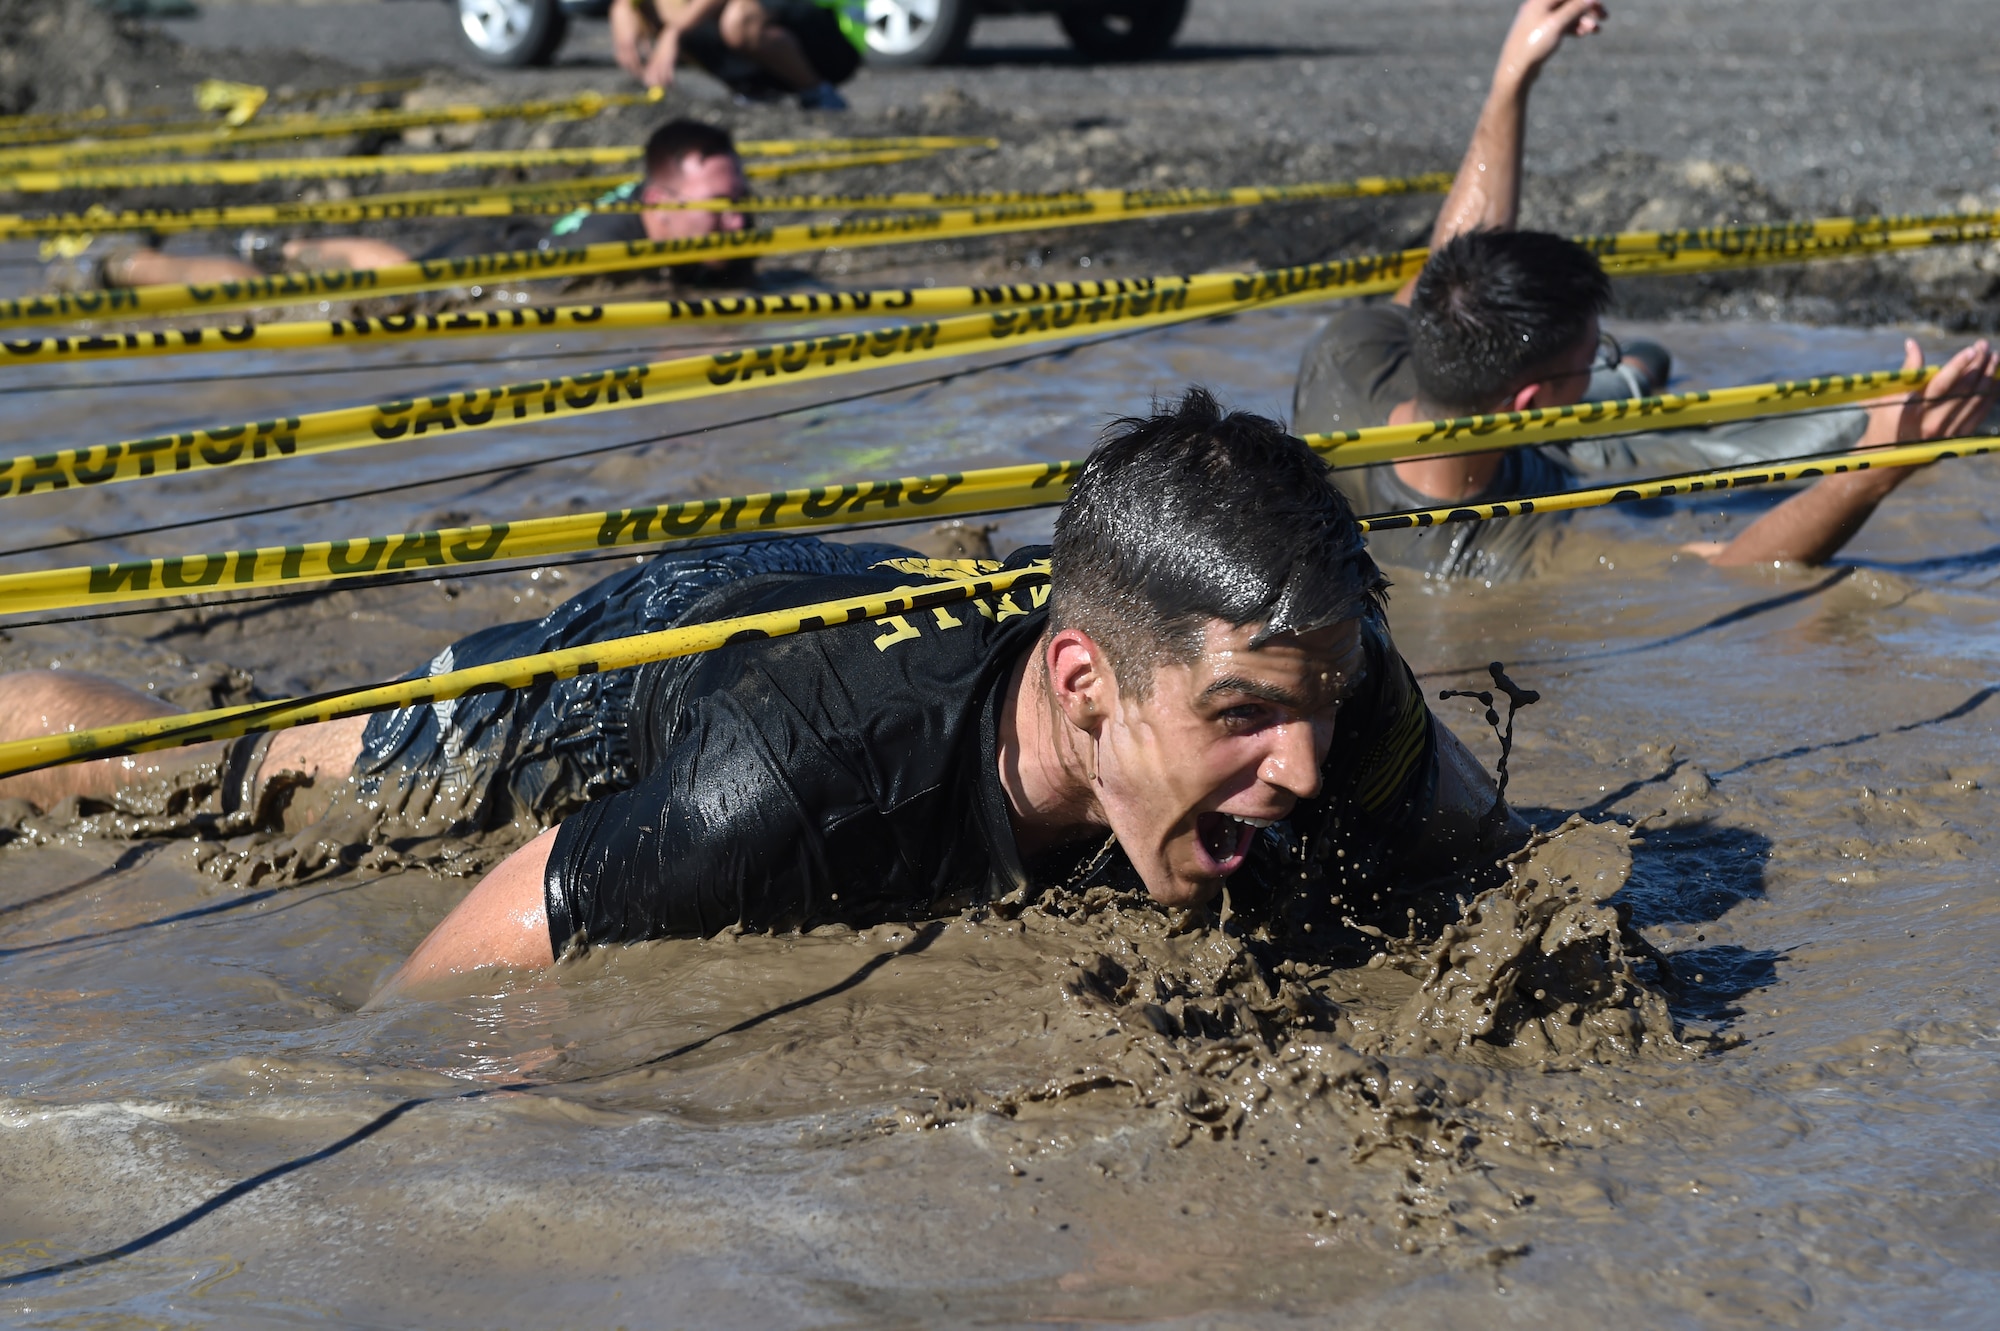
[[361, 253], [145, 268], [34, 703]]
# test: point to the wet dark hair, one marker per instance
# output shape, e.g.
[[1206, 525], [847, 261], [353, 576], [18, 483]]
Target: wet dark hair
[[673, 141], [1492, 308], [1193, 514]]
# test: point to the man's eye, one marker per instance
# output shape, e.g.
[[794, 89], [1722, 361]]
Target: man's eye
[[1243, 715]]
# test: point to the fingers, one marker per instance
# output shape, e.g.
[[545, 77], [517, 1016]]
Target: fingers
[[1588, 18], [1957, 401], [1913, 355], [1977, 389]]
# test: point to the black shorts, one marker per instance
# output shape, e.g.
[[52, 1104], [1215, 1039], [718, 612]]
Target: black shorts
[[541, 753], [498, 235], [815, 29]]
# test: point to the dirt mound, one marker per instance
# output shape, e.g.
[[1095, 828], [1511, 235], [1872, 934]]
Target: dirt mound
[[71, 55]]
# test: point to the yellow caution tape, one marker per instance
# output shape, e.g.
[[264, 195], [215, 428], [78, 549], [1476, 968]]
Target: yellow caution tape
[[30, 755], [906, 498], [994, 592], [1666, 411], [179, 174], [101, 122], [624, 387], [541, 197], [513, 320], [470, 200], [1626, 254], [167, 732], [528, 198], [627, 256], [1733, 478], [989, 489], [1674, 253], [239, 102], [237, 133], [62, 247]]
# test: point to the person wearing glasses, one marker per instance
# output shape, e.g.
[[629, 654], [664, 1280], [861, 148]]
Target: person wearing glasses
[[1507, 320]]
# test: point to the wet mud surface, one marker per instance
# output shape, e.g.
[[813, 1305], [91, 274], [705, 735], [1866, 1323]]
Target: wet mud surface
[[1721, 1051], [1087, 1109]]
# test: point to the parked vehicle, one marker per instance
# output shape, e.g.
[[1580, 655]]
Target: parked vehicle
[[900, 32]]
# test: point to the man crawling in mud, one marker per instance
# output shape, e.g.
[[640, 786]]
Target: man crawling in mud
[[1505, 320], [686, 161], [1207, 694]]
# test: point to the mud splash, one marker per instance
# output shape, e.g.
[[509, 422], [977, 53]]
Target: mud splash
[[1541, 968], [1183, 1028]]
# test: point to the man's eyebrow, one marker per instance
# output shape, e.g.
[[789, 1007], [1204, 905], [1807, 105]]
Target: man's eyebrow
[[1256, 688]]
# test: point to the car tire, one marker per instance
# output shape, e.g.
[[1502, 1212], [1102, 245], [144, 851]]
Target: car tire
[[512, 33], [1122, 29], [919, 32]]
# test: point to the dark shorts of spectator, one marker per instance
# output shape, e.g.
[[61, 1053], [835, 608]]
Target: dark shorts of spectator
[[816, 30]]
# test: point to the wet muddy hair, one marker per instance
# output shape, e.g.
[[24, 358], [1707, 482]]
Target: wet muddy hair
[[670, 144], [1494, 307], [1193, 514]]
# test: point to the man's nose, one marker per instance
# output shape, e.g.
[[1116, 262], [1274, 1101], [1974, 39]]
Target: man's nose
[[1292, 762]]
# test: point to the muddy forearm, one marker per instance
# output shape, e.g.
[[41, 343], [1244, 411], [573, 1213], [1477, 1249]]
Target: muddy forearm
[[1487, 189], [1811, 527], [501, 922], [1486, 192]]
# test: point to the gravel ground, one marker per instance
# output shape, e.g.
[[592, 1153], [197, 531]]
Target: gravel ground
[[1680, 114]]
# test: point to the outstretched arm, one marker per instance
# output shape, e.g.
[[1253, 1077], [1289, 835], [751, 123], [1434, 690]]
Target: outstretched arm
[[501, 922], [1812, 526], [1487, 190]]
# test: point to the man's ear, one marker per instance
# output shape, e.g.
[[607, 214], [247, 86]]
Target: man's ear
[[1524, 398], [1080, 679]]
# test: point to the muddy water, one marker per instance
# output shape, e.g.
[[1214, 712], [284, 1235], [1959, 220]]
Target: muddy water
[[1086, 1110]]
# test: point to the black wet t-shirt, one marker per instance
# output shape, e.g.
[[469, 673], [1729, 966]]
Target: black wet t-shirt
[[846, 774], [852, 774]]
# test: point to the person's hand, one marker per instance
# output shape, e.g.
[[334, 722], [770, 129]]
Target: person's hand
[[1539, 28], [666, 52], [1953, 404]]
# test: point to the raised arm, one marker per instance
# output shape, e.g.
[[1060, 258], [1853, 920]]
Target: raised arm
[[501, 922], [1487, 190], [1812, 526]]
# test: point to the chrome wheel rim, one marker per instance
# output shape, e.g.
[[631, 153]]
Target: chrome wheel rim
[[496, 26], [898, 27]]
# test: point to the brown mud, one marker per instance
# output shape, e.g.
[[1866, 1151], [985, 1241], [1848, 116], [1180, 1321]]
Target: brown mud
[[1719, 1051], [1087, 1108]]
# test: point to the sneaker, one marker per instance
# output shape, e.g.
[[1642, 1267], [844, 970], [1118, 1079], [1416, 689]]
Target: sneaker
[[255, 248], [825, 97], [1656, 360]]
